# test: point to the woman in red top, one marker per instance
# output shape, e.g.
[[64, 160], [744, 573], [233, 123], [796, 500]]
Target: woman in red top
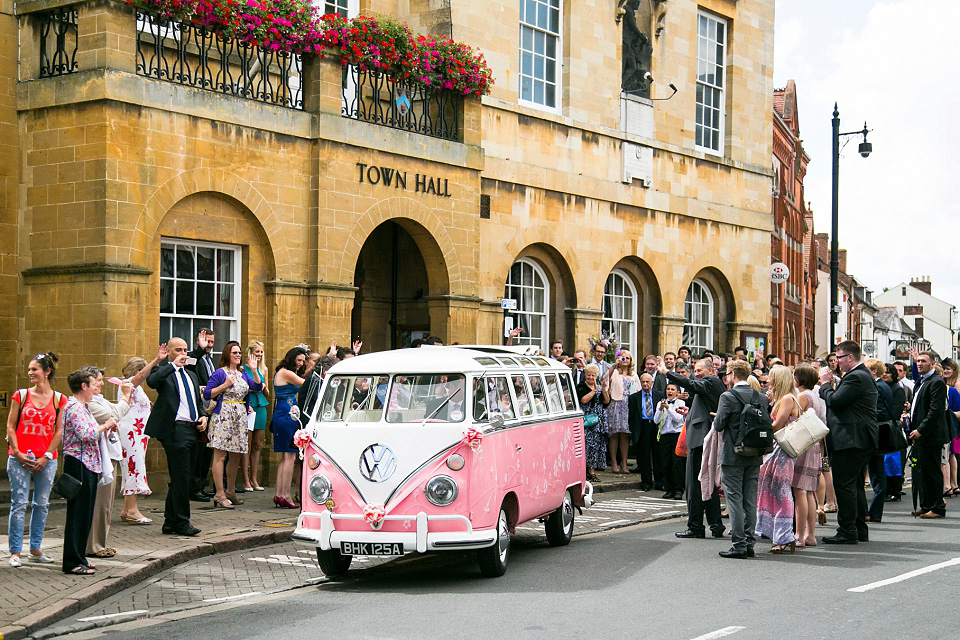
[[34, 429]]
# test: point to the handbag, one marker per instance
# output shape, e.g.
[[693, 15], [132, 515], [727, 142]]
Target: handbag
[[590, 420], [801, 434], [892, 437], [682, 449], [67, 486]]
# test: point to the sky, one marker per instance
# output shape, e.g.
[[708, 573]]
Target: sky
[[892, 64]]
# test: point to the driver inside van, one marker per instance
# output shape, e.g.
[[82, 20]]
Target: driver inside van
[[448, 405]]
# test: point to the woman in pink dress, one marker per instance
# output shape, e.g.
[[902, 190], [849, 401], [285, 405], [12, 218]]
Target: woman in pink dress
[[134, 442], [806, 468]]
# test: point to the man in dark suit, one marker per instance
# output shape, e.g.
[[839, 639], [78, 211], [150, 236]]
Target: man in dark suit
[[706, 389], [201, 455], [854, 435], [929, 432], [740, 473], [643, 432], [886, 413], [174, 421]]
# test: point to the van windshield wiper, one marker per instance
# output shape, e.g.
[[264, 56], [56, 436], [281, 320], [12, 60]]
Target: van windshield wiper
[[442, 405]]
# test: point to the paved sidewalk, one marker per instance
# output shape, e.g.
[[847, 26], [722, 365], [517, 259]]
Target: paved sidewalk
[[37, 596]]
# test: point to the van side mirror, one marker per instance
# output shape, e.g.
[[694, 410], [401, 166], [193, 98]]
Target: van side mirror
[[496, 420]]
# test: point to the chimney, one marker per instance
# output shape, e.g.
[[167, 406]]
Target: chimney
[[842, 259], [922, 283], [823, 247], [918, 326]]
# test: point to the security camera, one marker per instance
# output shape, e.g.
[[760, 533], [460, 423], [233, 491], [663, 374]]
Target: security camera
[[648, 76], [865, 148]]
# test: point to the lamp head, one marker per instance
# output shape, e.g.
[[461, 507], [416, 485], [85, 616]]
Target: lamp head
[[865, 148]]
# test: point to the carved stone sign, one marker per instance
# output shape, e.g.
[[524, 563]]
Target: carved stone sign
[[637, 163], [390, 177]]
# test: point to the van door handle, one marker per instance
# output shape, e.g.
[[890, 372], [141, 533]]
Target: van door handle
[[518, 447]]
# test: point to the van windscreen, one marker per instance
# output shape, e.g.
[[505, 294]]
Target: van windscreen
[[434, 397]]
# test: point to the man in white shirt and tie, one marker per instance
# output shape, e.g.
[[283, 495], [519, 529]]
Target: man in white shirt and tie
[[201, 363], [643, 433]]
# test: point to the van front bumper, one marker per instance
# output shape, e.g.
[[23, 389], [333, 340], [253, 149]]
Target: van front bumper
[[329, 537]]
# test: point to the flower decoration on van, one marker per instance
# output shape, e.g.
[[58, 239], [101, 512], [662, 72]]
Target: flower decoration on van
[[472, 437], [374, 513], [607, 339], [300, 440]]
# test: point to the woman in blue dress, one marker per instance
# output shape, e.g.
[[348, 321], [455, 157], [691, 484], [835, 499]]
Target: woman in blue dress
[[286, 384]]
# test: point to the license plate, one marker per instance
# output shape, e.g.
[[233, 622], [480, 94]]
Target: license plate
[[371, 548]]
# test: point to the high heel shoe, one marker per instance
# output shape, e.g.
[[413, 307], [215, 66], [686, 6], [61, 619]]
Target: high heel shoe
[[232, 497], [224, 503], [277, 501]]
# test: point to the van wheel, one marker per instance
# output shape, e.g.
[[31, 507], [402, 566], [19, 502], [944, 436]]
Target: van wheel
[[493, 559], [333, 563], [559, 526]]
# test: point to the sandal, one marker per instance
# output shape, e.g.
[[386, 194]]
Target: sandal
[[234, 499], [830, 508], [225, 503], [103, 553], [81, 571]]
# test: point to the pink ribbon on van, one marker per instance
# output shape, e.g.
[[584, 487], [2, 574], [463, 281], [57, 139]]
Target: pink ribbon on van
[[374, 513], [472, 437], [300, 440]]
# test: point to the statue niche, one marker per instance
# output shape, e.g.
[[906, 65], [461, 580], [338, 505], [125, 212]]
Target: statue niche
[[637, 50]]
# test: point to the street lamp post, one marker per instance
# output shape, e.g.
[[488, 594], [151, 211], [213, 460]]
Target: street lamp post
[[864, 150]]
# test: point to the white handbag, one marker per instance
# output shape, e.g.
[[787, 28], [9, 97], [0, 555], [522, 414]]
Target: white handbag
[[801, 434]]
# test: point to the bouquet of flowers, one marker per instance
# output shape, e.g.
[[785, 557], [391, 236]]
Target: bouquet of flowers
[[609, 340]]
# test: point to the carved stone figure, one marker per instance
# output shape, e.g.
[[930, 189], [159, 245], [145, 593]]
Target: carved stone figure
[[636, 51]]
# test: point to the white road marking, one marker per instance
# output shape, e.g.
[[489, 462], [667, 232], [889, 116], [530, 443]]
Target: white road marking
[[112, 615], [720, 633], [615, 523], [242, 595], [906, 576]]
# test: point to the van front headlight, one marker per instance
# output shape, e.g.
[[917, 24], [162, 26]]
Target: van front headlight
[[319, 488], [441, 490]]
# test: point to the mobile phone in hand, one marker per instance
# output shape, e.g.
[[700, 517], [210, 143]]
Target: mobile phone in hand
[[189, 362]]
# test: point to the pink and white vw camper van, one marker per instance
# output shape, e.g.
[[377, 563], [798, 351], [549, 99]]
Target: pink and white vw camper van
[[441, 448]]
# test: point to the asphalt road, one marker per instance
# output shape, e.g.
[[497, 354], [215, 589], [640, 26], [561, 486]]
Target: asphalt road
[[634, 581]]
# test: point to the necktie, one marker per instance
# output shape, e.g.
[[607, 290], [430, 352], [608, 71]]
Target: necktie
[[648, 404], [190, 401], [208, 362]]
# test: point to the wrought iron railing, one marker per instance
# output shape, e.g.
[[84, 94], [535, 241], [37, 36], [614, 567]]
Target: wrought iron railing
[[373, 96], [192, 56], [58, 41]]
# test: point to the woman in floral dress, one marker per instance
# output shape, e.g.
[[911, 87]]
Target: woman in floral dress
[[619, 382], [231, 387], [595, 437], [133, 440], [775, 504]]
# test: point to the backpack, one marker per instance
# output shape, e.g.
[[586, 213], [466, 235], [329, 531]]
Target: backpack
[[756, 427]]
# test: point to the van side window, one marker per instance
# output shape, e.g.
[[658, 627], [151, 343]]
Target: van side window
[[523, 396], [482, 402], [566, 385], [539, 394], [553, 393], [504, 402]]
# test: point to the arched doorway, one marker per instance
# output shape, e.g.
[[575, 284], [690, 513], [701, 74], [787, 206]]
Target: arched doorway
[[398, 268]]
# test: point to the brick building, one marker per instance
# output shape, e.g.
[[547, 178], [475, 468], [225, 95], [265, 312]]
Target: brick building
[[791, 303], [141, 204]]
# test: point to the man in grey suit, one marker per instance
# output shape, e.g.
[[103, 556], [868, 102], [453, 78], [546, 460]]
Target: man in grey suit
[[929, 432], [740, 473], [706, 388], [854, 435]]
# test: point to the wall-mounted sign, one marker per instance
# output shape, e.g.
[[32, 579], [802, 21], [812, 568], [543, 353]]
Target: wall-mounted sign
[[508, 303], [779, 273], [390, 177]]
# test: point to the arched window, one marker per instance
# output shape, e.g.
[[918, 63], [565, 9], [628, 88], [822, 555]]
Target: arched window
[[620, 309], [698, 318], [527, 284]]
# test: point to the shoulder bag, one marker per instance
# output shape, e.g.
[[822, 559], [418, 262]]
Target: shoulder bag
[[67, 486], [892, 437], [801, 434]]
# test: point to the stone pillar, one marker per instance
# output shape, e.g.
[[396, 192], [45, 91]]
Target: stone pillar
[[582, 324], [669, 334], [454, 318], [107, 36], [322, 84]]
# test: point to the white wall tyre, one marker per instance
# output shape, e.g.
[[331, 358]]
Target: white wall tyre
[[559, 526], [333, 563], [493, 559]]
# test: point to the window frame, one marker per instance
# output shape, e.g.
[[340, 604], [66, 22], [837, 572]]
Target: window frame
[[558, 60], [701, 106], [695, 346], [211, 320], [520, 312], [631, 343]]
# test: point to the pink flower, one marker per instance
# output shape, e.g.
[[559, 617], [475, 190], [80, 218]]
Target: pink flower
[[472, 437], [374, 513]]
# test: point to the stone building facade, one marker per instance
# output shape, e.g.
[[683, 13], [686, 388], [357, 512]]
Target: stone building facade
[[137, 208]]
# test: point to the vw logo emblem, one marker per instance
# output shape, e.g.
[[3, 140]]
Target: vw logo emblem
[[378, 462]]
